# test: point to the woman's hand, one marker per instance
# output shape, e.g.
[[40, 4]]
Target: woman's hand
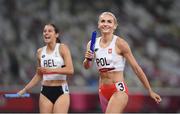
[[21, 92], [44, 70], [89, 55], [155, 96]]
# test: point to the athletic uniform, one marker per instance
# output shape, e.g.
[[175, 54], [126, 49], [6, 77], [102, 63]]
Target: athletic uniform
[[53, 60], [107, 60]]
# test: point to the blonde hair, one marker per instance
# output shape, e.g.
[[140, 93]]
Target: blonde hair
[[111, 14]]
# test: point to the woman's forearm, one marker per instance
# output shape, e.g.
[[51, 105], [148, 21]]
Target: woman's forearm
[[87, 64], [141, 75], [65, 71], [35, 80]]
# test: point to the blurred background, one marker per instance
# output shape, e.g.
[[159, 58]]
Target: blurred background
[[151, 27]]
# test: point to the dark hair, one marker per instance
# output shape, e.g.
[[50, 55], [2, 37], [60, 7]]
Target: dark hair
[[56, 31]]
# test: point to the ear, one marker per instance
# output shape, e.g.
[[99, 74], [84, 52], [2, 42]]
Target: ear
[[57, 35], [98, 25], [115, 26]]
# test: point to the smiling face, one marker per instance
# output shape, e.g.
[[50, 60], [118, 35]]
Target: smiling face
[[49, 34], [107, 23]]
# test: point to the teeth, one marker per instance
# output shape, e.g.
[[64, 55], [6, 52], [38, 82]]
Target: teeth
[[47, 37]]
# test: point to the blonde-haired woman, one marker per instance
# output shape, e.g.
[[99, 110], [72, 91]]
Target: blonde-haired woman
[[111, 53]]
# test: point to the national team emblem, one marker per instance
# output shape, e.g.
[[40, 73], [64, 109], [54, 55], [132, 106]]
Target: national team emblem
[[56, 55], [96, 49], [110, 51], [66, 88], [43, 56]]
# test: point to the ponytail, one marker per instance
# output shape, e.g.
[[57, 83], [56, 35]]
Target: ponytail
[[58, 40]]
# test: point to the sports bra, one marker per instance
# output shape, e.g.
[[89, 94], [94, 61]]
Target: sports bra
[[53, 60], [107, 58]]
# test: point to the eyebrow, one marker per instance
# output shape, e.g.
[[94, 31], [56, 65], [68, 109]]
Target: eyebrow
[[107, 20]]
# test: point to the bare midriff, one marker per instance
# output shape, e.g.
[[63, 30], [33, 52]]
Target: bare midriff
[[111, 77], [53, 82]]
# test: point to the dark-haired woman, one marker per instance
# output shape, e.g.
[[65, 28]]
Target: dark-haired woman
[[54, 65]]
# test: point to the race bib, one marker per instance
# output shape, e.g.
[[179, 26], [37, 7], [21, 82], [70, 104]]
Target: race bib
[[120, 86]]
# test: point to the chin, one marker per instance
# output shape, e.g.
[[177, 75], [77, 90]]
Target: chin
[[46, 41], [106, 32]]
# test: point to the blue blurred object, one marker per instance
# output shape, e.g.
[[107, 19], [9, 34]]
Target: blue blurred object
[[15, 95], [93, 41]]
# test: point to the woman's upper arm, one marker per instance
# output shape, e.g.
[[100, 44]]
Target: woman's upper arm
[[126, 52], [38, 54], [88, 46], [66, 54]]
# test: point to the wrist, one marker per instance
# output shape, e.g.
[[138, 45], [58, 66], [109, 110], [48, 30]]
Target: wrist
[[149, 90], [54, 71], [86, 63], [88, 59], [25, 90]]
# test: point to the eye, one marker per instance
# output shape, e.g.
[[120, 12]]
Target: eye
[[49, 30], [109, 21], [102, 21], [44, 30]]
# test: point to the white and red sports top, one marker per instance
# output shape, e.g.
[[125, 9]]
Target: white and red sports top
[[107, 59], [53, 60]]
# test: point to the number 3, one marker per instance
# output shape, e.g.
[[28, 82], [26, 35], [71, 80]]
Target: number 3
[[120, 86]]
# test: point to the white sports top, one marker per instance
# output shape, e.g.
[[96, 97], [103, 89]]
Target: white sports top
[[107, 58], [53, 60]]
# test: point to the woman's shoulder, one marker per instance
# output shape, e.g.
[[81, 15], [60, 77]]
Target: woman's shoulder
[[121, 42], [39, 50], [63, 47], [97, 38]]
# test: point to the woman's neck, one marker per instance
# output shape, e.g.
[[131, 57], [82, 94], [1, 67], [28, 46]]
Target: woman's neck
[[107, 37], [51, 46]]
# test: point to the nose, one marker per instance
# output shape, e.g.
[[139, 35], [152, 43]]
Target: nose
[[105, 23], [46, 32]]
